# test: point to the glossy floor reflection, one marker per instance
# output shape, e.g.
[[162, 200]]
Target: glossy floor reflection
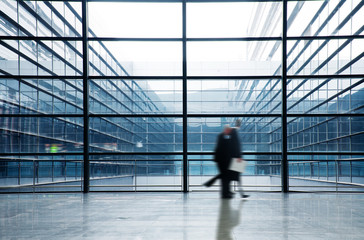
[[181, 216]]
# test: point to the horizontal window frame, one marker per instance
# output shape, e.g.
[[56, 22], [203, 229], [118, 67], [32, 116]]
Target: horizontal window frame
[[336, 153]]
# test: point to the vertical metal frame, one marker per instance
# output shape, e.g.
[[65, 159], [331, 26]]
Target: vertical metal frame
[[86, 160], [284, 162], [184, 97]]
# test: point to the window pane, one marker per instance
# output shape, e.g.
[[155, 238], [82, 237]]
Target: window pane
[[325, 95], [255, 134], [136, 172], [136, 96], [41, 57], [325, 57], [41, 173], [42, 18], [234, 96], [325, 173], [325, 18], [234, 19], [234, 58], [325, 134], [262, 173], [136, 58], [41, 134], [143, 20], [59, 96], [151, 134]]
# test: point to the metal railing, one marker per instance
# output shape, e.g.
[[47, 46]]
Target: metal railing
[[33, 173]]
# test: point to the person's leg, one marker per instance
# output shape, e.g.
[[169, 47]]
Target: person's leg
[[225, 188], [228, 187], [240, 187], [211, 181]]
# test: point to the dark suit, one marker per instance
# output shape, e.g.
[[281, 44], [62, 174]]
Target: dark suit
[[227, 147]]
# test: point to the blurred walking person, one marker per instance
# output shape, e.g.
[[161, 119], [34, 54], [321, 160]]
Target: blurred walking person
[[227, 148]]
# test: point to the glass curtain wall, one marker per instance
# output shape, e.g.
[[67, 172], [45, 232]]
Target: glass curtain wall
[[325, 95], [41, 96], [131, 95]]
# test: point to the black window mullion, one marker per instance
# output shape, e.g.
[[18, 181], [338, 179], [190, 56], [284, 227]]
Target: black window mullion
[[184, 97], [284, 162], [86, 120]]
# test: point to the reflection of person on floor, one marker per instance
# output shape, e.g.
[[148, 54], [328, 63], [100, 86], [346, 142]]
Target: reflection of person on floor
[[228, 219]]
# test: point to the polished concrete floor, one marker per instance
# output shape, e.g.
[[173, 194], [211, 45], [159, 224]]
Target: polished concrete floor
[[173, 216]]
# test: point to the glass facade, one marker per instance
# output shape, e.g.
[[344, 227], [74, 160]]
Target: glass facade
[[131, 95]]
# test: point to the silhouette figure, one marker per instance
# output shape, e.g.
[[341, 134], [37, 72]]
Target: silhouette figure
[[227, 148]]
